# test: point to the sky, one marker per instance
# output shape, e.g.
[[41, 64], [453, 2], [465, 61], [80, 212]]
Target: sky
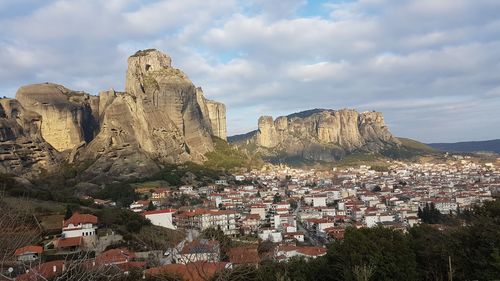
[[431, 66]]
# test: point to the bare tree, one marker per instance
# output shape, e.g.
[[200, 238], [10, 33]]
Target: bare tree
[[363, 272]]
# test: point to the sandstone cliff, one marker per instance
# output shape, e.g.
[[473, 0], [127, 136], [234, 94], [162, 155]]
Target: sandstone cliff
[[67, 117], [319, 135], [22, 147], [161, 117]]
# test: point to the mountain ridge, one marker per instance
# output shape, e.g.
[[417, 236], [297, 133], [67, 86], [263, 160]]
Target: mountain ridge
[[469, 146]]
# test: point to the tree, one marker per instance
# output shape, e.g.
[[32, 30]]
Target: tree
[[69, 213], [151, 206], [224, 241], [277, 198]]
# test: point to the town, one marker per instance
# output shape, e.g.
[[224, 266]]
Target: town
[[276, 213]]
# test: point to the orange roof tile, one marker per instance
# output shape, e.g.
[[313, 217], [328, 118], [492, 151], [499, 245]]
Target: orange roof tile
[[29, 249], [69, 242], [80, 218]]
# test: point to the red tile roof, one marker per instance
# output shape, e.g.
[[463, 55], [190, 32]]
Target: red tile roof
[[77, 219], [29, 249], [244, 255], [44, 271], [195, 271], [165, 211], [312, 251], [115, 256], [69, 242]]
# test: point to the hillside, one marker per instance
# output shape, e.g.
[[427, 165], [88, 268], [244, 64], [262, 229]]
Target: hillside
[[469, 146]]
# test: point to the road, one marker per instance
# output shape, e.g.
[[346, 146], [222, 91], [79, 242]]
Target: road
[[309, 236]]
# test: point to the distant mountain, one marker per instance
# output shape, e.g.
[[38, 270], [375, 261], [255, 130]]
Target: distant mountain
[[469, 146]]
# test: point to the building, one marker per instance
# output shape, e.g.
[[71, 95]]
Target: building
[[200, 250], [79, 225], [203, 219], [28, 253], [163, 218]]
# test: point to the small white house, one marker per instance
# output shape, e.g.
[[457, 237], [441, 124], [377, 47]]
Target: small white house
[[271, 235], [79, 225], [161, 218]]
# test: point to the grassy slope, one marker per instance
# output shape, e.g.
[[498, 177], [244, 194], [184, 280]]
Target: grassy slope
[[226, 157], [416, 145]]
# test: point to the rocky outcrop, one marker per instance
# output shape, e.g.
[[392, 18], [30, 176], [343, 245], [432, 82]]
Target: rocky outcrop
[[161, 117], [214, 115], [23, 150], [323, 135], [68, 117]]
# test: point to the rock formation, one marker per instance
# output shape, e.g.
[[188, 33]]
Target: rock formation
[[22, 147], [67, 117], [160, 118], [320, 135]]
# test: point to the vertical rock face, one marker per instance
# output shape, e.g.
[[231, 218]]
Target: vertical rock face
[[67, 117], [161, 117], [167, 103], [325, 135], [266, 135], [217, 116], [214, 115], [22, 148]]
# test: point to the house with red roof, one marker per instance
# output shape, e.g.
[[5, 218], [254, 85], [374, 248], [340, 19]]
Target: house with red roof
[[79, 231], [28, 253], [44, 271], [200, 250]]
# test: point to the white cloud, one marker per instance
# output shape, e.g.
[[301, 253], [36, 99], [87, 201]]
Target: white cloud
[[420, 61]]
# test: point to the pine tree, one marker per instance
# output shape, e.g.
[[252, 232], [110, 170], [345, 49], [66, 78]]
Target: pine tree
[[68, 213]]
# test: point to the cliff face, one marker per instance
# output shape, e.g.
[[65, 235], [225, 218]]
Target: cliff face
[[22, 147], [160, 118], [324, 135], [67, 116]]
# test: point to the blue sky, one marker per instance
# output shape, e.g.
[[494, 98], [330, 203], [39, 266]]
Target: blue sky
[[431, 66]]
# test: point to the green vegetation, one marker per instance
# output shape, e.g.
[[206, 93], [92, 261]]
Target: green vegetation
[[122, 220], [377, 161], [177, 175], [226, 157], [416, 145], [409, 149], [122, 194]]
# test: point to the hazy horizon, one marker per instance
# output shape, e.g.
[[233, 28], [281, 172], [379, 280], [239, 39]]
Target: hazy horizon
[[430, 66]]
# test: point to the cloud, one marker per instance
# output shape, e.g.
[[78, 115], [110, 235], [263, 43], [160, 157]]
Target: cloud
[[421, 62]]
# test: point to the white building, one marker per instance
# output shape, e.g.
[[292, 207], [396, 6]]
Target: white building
[[79, 225], [271, 234], [161, 218]]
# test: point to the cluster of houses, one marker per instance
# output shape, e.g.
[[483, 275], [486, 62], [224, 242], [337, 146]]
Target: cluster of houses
[[297, 211], [293, 205]]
